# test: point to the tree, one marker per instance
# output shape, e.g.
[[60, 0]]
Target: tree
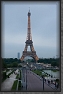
[[4, 65], [55, 64], [15, 64]]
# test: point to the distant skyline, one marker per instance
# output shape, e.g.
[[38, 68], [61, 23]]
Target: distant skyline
[[44, 28]]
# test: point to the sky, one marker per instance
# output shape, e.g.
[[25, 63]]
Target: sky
[[44, 28]]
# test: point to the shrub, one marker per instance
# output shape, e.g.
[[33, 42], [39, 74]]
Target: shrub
[[4, 74]]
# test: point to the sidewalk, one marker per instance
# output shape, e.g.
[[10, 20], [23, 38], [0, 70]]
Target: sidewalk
[[8, 72], [7, 84]]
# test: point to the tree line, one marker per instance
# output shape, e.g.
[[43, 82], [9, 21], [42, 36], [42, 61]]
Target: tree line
[[52, 61], [13, 62], [9, 62]]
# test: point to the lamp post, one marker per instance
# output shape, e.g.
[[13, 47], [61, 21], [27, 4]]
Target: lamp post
[[43, 83], [26, 79], [43, 80]]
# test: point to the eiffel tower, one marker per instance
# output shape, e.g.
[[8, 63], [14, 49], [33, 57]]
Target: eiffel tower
[[29, 42]]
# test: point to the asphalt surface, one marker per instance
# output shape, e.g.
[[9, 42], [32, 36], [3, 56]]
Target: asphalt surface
[[23, 73], [30, 81], [34, 83]]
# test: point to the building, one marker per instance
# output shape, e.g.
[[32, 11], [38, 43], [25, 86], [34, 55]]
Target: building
[[47, 65], [18, 57], [44, 65]]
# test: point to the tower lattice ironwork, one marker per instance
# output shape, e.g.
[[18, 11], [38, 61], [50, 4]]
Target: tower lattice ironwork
[[29, 42]]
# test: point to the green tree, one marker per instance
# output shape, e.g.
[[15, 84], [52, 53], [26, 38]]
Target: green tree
[[55, 64], [4, 65], [15, 64]]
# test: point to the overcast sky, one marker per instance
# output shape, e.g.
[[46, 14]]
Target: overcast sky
[[44, 28]]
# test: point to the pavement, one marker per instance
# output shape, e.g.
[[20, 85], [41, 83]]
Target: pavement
[[50, 85], [35, 83], [7, 84], [8, 72]]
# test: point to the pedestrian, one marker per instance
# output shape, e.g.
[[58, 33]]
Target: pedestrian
[[8, 76], [58, 84], [48, 81], [45, 80], [51, 81], [55, 84], [22, 86]]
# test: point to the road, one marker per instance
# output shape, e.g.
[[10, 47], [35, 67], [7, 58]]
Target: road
[[34, 83], [23, 74]]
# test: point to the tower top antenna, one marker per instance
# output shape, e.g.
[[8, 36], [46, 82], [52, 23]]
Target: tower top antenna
[[29, 9]]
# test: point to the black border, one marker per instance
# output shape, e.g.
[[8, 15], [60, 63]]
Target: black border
[[0, 46], [60, 44]]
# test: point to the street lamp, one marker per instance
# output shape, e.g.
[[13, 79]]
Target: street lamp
[[43, 79], [26, 79]]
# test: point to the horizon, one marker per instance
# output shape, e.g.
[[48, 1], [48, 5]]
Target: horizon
[[30, 58]]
